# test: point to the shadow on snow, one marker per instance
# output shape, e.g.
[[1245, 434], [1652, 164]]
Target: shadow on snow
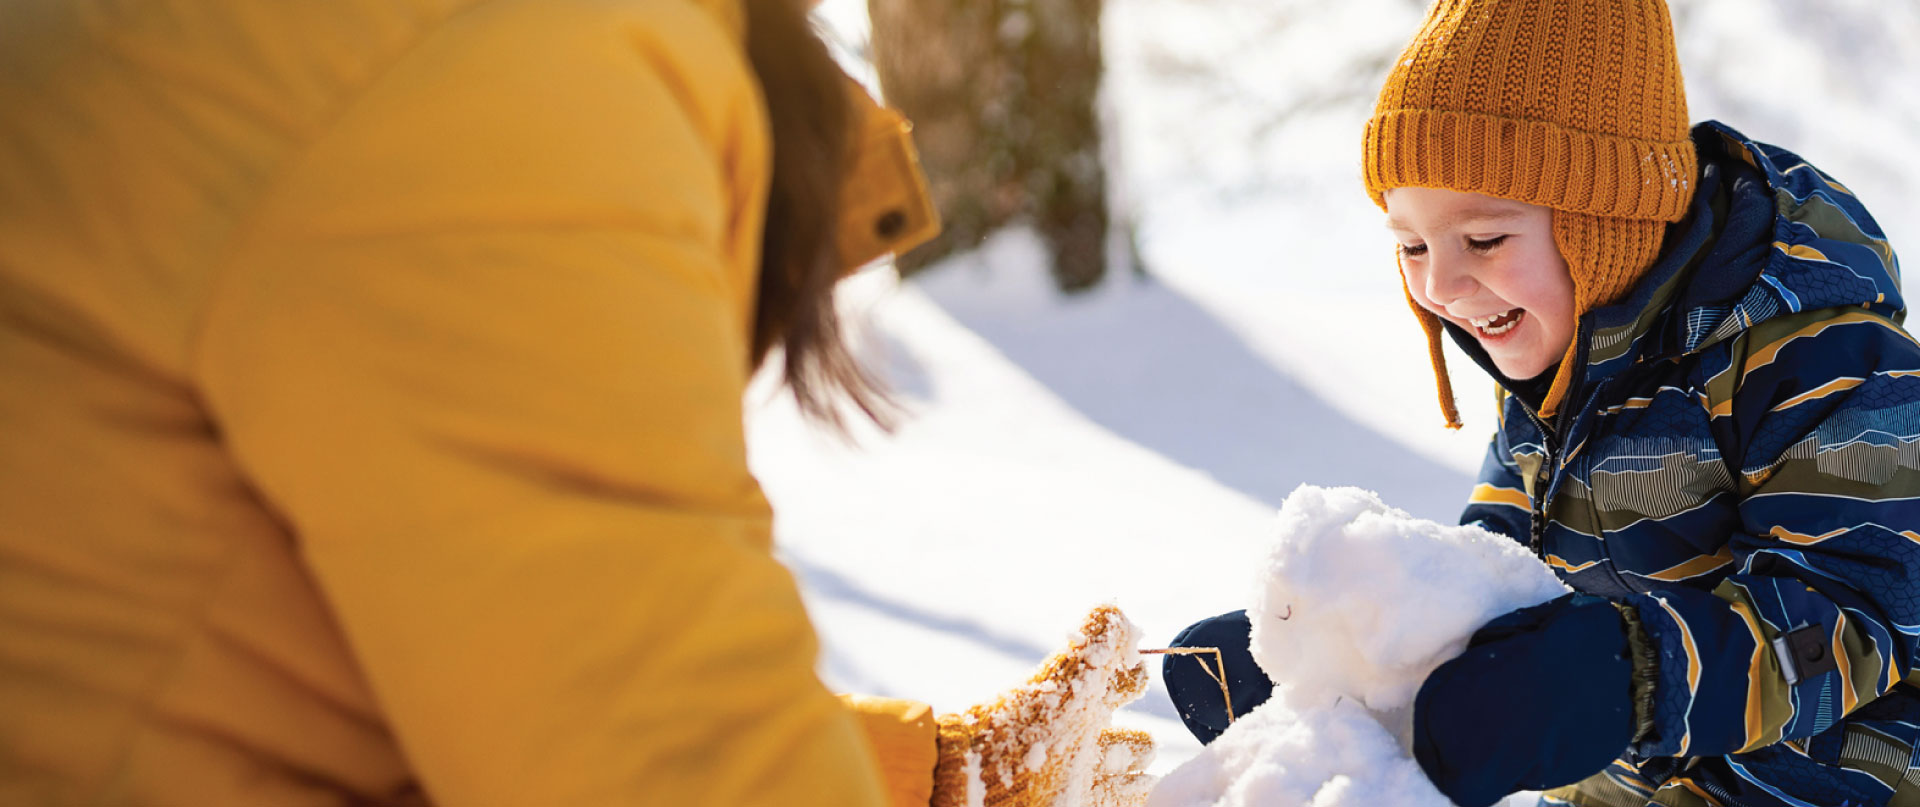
[[825, 583], [1150, 365]]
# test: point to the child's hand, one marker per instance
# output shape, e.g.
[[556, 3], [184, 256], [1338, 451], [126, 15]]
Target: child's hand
[[1541, 698], [1192, 683], [1047, 742]]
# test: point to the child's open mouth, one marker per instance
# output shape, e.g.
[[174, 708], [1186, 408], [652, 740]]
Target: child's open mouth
[[1498, 324]]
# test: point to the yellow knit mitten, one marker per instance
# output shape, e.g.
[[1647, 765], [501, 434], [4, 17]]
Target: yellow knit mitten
[[1046, 743]]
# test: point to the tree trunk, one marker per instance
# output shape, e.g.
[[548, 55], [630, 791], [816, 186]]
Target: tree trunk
[[1002, 94]]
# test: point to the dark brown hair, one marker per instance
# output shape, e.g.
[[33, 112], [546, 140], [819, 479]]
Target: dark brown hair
[[810, 116]]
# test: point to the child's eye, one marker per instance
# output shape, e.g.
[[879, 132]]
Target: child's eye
[[1413, 251], [1484, 245]]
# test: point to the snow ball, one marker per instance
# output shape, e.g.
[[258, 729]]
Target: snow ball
[[1362, 600], [1356, 603]]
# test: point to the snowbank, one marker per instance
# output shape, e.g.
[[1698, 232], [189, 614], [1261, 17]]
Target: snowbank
[[1357, 602]]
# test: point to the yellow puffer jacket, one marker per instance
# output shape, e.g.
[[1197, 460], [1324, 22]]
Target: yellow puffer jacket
[[370, 424]]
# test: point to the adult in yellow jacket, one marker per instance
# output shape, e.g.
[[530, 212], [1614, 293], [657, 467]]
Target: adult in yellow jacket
[[370, 422]]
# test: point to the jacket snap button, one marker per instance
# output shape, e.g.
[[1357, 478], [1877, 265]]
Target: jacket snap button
[[890, 224]]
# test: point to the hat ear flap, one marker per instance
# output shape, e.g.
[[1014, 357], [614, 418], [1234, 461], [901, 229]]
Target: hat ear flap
[[1605, 256], [1435, 352]]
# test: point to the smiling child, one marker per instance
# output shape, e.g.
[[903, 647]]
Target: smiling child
[[1709, 428], [1487, 265]]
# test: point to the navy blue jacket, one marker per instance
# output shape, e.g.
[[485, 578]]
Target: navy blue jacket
[[1739, 461]]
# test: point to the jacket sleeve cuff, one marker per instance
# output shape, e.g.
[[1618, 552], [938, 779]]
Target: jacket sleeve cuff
[[1646, 670], [904, 739]]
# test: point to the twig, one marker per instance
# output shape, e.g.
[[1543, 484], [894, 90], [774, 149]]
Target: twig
[[1218, 660]]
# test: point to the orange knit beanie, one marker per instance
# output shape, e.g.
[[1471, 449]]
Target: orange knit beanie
[[1575, 105]]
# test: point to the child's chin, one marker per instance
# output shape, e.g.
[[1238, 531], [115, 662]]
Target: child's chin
[[1520, 370]]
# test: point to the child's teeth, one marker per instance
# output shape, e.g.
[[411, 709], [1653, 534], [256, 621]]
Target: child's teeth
[[1485, 324]]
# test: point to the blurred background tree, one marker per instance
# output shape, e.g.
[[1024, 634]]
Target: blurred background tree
[[1002, 94]]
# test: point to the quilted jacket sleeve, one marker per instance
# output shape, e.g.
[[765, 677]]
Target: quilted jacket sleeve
[[1823, 409], [484, 350]]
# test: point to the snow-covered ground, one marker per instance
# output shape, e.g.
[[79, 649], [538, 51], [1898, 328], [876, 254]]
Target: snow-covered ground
[[1130, 445]]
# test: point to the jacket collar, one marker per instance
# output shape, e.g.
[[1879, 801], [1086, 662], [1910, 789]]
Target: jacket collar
[[884, 204], [1767, 234]]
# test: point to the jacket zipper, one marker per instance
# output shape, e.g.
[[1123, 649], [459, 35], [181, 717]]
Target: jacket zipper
[[1536, 511]]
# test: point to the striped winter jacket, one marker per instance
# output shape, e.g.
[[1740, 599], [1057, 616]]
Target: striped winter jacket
[[1741, 464]]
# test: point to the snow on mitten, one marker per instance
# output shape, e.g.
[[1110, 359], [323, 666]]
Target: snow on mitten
[[1120, 779], [1046, 743]]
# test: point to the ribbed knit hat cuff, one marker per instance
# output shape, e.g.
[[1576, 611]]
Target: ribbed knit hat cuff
[[1529, 161]]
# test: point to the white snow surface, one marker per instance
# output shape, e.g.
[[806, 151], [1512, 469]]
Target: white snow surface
[[1357, 602]]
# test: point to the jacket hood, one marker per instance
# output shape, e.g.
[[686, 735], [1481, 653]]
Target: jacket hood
[[1767, 235]]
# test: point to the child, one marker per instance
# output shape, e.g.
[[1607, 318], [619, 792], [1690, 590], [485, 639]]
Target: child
[[1709, 426]]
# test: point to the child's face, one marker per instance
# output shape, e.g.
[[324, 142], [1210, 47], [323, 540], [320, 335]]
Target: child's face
[[1489, 266]]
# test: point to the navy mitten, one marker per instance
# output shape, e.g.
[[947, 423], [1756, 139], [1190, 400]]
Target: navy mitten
[[1541, 698], [1195, 692]]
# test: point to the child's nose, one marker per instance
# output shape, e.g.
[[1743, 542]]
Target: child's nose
[[1448, 280]]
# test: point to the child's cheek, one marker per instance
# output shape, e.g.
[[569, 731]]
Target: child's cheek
[[1416, 282]]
